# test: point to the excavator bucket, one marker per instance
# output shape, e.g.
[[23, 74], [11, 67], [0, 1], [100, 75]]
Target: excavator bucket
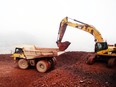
[[63, 45]]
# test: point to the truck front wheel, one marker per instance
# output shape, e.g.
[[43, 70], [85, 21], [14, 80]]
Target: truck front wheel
[[42, 66], [23, 64]]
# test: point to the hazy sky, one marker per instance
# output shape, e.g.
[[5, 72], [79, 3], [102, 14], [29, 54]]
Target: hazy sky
[[37, 22]]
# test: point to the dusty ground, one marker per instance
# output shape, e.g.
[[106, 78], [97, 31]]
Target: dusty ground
[[70, 71]]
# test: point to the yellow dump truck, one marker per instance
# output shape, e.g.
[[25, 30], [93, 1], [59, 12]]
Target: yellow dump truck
[[29, 55]]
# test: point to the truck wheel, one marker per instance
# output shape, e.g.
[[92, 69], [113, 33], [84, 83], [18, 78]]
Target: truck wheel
[[111, 62], [42, 66], [54, 60], [23, 64]]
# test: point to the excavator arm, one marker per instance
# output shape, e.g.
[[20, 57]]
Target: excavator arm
[[79, 25]]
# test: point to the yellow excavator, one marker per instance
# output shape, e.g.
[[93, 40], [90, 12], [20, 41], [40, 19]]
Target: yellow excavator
[[103, 51]]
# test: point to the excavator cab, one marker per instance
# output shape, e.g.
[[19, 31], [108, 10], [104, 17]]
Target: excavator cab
[[101, 46]]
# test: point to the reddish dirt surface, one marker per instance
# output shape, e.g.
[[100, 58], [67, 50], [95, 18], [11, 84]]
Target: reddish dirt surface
[[70, 71]]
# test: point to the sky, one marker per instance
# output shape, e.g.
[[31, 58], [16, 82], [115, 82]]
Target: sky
[[36, 22]]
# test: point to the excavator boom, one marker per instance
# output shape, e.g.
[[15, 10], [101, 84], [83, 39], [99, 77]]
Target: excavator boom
[[103, 51], [80, 25]]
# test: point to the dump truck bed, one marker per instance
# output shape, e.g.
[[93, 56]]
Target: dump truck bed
[[31, 52], [40, 52]]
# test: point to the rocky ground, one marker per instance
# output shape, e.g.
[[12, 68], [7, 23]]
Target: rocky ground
[[70, 71]]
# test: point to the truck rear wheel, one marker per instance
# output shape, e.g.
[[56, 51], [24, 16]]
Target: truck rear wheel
[[23, 64], [54, 60], [42, 66]]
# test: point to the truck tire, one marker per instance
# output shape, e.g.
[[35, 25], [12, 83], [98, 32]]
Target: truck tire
[[54, 60], [42, 66], [23, 64], [111, 62]]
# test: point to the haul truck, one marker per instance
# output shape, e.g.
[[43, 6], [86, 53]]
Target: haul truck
[[29, 55]]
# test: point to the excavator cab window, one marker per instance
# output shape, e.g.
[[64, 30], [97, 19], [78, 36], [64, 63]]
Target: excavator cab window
[[100, 46]]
